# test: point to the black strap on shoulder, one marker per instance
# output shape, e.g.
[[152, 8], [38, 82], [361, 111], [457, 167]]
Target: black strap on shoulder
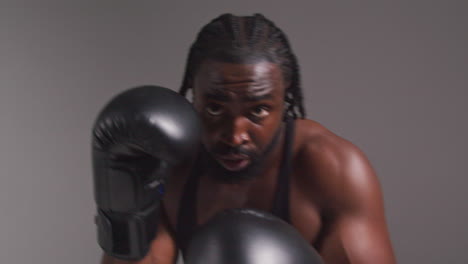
[[281, 200]]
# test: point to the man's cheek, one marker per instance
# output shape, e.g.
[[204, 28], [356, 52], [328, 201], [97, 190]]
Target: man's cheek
[[208, 141]]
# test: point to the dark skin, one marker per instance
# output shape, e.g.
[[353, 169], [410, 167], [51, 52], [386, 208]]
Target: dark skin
[[335, 197]]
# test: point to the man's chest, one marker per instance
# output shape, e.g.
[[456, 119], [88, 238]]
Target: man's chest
[[211, 199]]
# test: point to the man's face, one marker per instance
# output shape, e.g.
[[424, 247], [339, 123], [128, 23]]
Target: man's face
[[241, 107]]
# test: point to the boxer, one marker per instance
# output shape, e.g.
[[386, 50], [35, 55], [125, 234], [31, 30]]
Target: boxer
[[258, 150]]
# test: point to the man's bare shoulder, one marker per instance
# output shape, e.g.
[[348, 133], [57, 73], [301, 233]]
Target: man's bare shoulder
[[333, 168], [315, 141]]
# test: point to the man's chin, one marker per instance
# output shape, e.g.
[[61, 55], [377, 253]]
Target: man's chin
[[235, 172]]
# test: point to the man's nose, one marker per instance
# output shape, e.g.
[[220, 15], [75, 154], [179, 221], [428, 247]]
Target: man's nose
[[235, 132]]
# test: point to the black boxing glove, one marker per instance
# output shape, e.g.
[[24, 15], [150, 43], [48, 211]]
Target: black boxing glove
[[244, 236], [139, 136]]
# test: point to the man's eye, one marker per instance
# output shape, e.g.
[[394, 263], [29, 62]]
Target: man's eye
[[260, 111], [214, 109]]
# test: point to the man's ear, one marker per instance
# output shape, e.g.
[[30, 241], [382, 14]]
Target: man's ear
[[286, 104], [190, 89]]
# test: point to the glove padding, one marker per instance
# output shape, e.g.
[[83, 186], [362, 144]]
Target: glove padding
[[244, 236], [139, 136]]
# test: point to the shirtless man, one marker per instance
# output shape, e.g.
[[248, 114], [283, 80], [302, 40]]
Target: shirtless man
[[259, 151]]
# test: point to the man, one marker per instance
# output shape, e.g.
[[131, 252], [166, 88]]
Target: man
[[258, 151]]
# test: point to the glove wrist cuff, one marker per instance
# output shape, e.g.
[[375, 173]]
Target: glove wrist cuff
[[127, 236]]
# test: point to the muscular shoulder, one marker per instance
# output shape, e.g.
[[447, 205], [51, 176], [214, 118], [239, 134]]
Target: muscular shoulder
[[333, 170], [317, 143]]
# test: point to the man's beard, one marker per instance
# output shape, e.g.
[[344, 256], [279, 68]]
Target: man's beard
[[257, 162]]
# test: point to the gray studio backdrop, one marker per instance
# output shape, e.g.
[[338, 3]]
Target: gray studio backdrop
[[391, 77]]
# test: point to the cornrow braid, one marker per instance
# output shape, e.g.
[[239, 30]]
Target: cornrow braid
[[238, 39]]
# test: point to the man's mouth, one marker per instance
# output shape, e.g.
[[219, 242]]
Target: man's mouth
[[234, 162]]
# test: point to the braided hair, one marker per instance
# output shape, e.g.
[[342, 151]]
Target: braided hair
[[244, 39]]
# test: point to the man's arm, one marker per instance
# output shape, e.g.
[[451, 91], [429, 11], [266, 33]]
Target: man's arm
[[355, 229], [163, 248]]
